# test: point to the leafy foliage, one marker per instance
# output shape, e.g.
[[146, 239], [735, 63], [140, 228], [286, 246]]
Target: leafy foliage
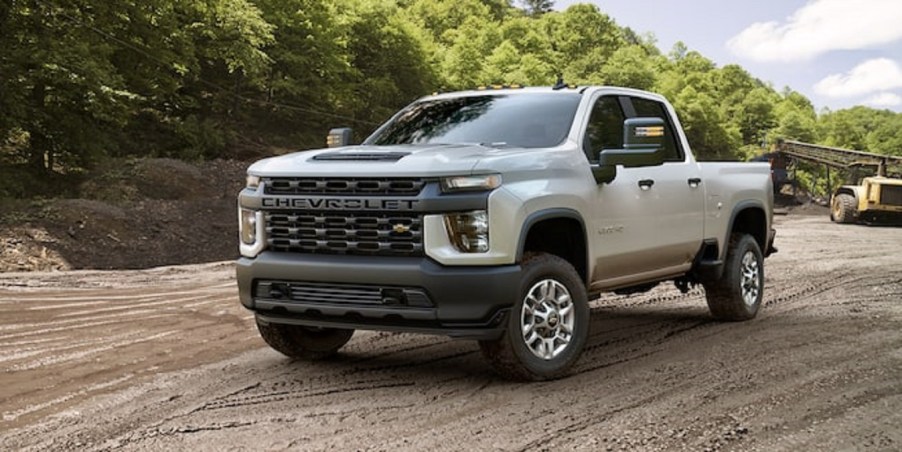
[[537, 7], [81, 80]]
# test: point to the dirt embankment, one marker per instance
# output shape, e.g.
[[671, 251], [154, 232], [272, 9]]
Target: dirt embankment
[[165, 359], [133, 214]]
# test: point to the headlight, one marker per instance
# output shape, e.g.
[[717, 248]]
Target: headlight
[[469, 231], [252, 181], [247, 225], [471, 183]]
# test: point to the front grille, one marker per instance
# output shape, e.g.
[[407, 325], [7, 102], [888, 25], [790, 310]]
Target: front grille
[[343, 186], [309, 292], [891, 195], [390, 234]]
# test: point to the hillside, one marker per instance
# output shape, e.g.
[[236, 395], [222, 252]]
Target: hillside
[[149, 213]]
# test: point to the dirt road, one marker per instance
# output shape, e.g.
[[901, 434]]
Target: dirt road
[[166, 359]]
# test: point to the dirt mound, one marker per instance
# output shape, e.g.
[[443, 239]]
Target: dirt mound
[[131, 214], [130, 180]]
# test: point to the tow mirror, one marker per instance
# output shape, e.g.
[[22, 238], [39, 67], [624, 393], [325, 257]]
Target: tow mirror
[[643, 145], [643, 133], [339, 137]]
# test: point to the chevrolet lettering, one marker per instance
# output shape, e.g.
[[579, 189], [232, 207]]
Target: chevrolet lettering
[[496, 215], [338, 204]]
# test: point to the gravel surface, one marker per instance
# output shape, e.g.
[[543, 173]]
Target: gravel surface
[[166, 359]]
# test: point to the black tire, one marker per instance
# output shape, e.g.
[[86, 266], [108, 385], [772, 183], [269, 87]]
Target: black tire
[[743, 275], [843, 208], [301, 342], [510, 355]]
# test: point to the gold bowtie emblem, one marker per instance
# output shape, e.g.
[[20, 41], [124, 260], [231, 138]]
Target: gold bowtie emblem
[[400, 228]]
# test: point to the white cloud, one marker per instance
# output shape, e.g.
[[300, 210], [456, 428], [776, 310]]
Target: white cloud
[[880, 74], [820, 27], [884, 100]]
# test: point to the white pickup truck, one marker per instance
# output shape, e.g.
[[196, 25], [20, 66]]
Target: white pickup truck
[[496, 215]]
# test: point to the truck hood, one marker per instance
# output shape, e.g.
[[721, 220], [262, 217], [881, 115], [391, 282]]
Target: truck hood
[[378, 161]]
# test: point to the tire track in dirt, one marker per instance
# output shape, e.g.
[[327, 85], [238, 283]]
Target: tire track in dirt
[[285, 395], [817, 369], [123, 330]]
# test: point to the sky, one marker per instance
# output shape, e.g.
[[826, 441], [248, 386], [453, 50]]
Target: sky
[[838, 53]]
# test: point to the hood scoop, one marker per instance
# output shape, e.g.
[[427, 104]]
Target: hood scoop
[[361, 156]]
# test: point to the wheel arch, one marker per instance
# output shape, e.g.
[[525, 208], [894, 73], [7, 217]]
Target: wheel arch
[[558, 231], [847, 190], [749, 217]]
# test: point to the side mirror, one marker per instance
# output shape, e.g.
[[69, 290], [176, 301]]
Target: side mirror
[[643, 133], [339, 137], [643, 145]]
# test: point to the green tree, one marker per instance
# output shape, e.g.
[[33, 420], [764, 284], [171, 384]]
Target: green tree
[[795, 125], [85, 69], [86, 79], [755, 115], [537, 7], [583, 39], [466, 57], [523, 56], [796, 119], [849, 128], [388, 64], [886, 138], [630, 66], [440, 17], [705, 128]]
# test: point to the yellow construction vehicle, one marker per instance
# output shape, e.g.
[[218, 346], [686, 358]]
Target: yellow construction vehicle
[[875, 194]]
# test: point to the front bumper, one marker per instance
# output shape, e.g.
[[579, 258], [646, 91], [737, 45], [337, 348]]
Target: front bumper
[[381, 293]]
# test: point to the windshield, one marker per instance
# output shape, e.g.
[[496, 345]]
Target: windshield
[[529, 120]]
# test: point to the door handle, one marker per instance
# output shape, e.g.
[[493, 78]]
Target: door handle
[[645, 184], [694, 182]]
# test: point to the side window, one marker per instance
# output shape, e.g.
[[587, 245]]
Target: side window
[[649, 108], [605, 129]]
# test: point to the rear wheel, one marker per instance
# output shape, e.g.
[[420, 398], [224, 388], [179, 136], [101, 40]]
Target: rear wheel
[[547, 328], [842, 209], [303, 342], [738, 293]]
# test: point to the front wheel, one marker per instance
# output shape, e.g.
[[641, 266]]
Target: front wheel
[[303, 342], [547, 328], [738, 293]]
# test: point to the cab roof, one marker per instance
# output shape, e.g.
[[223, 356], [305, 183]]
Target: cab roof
[[493, 90]]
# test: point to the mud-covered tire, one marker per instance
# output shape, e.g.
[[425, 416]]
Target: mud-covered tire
[[552, 300], [737, 295], [842, 210], [301, 342]]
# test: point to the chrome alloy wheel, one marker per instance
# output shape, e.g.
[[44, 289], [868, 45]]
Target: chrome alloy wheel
[[750, 280], [547, 319]]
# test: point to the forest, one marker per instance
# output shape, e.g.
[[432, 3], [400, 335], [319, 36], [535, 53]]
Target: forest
[[86, 81]]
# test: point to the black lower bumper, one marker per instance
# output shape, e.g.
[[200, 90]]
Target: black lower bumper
[[379, 293]]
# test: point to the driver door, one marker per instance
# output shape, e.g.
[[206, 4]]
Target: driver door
[[622, 215], [648, 220]]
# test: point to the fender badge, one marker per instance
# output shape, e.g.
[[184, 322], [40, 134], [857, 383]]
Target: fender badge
[[610, 229]]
